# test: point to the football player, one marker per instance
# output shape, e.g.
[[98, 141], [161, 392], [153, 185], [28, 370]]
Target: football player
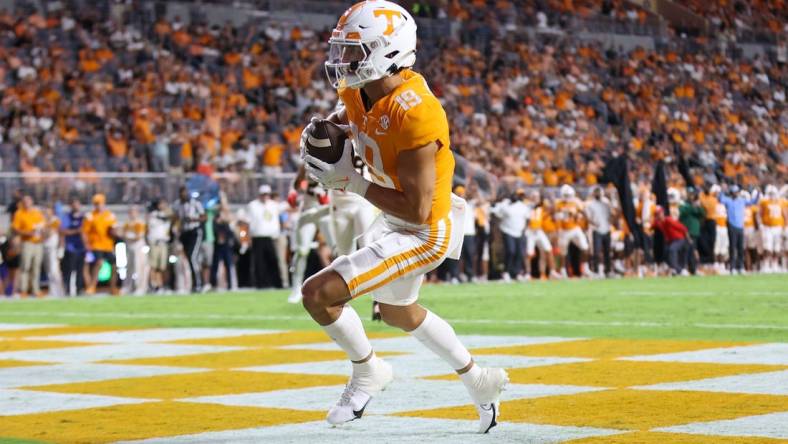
[[535, 237], [401, 132], [569, 214], [721, 241], [772, 222]]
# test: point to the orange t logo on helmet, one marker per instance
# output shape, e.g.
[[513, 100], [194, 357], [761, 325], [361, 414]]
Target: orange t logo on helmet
[[389, 18]]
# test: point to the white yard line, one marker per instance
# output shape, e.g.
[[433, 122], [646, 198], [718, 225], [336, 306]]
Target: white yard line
[[700, 293], [120, 315]]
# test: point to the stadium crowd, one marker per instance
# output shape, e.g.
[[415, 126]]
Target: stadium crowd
[[94, 90], [526, 235]]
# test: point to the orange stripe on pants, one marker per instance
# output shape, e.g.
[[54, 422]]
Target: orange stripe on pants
[[426, 261]]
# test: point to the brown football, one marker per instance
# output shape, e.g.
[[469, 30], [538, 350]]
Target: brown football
[[326, 141]]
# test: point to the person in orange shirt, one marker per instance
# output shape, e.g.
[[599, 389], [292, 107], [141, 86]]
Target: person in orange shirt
[[771, 213], [569, 213], [137, 264], [535, 237], [29, 224], [721, 241], [99, 237], [752, 244], [708, 232]]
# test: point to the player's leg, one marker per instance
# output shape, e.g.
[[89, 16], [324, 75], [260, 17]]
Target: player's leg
[[305, 235], [344, 232], [722, 234], [546, 250], [324, 297], [563, 249], [98, 262], [579, 239], [326, 229], [468, 256], [26, 263], [483, 384]]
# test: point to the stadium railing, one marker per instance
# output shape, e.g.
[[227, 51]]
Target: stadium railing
[[138, 188]]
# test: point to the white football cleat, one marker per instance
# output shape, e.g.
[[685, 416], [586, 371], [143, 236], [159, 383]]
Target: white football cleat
[[295, 296], [486, 391], [369, 379], [488, 416]]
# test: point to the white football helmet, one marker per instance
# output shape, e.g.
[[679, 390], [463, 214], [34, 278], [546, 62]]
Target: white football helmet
[[373, 39], [771, 191], [567, 192]]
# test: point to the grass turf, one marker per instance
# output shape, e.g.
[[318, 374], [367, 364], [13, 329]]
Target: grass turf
[[720, 307]]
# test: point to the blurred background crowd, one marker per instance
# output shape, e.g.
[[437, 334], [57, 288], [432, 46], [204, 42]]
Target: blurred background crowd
[[132, 99]]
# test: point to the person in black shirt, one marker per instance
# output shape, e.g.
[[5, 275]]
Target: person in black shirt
[[224, 242], [73, 260], [191, 217]]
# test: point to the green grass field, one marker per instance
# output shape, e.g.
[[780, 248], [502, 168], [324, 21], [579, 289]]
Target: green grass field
[[735, 308]]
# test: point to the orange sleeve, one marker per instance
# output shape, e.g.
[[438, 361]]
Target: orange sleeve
[[348, 98], [18, 221], [424, 124]]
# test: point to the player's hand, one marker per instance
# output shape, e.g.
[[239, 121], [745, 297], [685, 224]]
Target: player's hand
[[292, 198], [338, 176]]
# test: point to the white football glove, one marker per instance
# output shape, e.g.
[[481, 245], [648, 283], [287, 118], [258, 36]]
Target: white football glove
[[305, 134], [338, 176]]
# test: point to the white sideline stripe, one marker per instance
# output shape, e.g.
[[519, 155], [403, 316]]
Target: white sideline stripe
[[120, 315], [15, 327]]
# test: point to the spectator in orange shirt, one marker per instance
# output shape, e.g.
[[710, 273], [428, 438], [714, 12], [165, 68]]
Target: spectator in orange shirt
[[99, 237], [29, 224]]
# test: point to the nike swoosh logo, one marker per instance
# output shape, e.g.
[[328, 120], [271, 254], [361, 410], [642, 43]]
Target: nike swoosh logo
[[358, 413], [363, 27]]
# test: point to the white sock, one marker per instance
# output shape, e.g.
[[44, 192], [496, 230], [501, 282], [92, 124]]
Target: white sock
[[348, 332], [438, 336], [470, 379]]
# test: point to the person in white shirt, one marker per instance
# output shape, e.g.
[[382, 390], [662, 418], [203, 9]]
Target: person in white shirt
[[599, 212], [513, 214], [137, 268], [264, 227], [52, 253], [159, 225]]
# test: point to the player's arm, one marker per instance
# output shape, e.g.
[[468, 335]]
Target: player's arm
[[300, 176], [416, 171], [339, 117]]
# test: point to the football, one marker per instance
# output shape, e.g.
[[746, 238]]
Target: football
[[326, 141]]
